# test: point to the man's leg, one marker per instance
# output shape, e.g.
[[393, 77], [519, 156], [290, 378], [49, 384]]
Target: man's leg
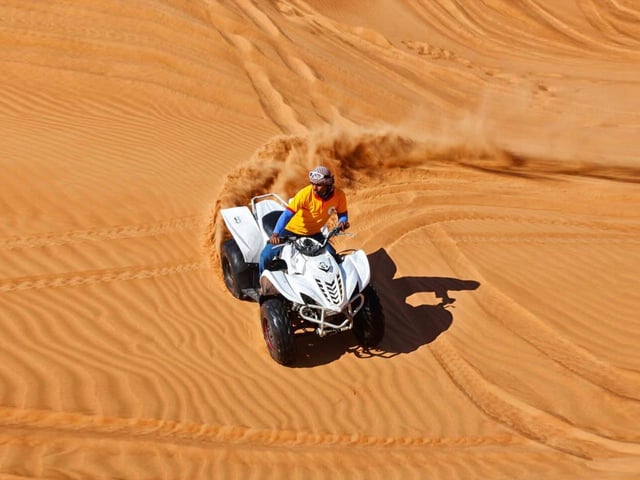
[[267, 254], [270, 251]]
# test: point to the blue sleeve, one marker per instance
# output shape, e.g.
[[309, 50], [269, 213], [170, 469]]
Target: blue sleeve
[[285, 216], [343, 217]]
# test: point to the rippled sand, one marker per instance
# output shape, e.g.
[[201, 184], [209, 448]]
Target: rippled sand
[[490, 155]]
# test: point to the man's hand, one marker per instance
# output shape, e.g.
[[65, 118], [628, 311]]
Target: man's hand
[[342, 226], [274, 239]]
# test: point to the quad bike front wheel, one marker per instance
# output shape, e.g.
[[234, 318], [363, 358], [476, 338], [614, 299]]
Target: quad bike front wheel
[[277, 330], [368, 324]]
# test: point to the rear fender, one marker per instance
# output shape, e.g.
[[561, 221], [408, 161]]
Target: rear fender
[[245, 231]]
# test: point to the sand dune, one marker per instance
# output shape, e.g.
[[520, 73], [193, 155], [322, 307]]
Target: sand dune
[[489, 151]]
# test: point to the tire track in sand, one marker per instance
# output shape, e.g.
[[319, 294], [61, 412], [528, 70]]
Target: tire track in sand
[[323, 107], [108, 233], [99, 276], [152, 429], [378, 52], [584, 40], [272, 100], [277, 107], [525, 419], [528, 326]]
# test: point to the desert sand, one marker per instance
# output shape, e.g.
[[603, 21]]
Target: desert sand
[[489, 151]]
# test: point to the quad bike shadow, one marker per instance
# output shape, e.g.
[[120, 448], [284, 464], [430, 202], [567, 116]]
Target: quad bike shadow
[[408, 327]]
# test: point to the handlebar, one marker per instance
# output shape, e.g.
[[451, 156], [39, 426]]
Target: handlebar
[[313, 245], [335, 231]]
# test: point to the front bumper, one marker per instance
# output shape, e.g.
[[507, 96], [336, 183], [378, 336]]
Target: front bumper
[[322, 316]]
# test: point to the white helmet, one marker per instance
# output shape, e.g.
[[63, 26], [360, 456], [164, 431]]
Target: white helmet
[[321, 176]]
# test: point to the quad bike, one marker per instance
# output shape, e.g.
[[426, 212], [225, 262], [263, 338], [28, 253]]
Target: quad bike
[[305, 287]]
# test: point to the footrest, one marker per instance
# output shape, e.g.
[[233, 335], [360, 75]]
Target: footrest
[[252, 293]]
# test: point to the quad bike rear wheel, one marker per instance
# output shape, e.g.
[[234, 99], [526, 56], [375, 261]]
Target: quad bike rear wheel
[[277, 330], [368, 324], [235, 271]]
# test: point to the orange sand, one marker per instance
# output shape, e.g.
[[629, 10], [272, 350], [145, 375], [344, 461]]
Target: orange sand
[[489, 150]]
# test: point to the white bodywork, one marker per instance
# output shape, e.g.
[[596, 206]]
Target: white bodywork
[[320, 289], [330, 286], [244, 225]]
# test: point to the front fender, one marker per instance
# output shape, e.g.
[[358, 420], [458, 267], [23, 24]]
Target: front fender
[[357, 271], [278, 281]]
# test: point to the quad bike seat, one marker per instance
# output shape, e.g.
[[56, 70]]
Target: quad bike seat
[[269, 221]]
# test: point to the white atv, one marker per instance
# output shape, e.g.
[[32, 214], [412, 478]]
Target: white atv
[[304, 286]]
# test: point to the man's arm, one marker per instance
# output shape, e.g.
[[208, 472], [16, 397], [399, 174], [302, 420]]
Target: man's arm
[[343, 216], [284, 218], [343, 220]]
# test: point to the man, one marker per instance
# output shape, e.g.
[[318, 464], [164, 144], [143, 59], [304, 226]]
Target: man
[[308, 211]]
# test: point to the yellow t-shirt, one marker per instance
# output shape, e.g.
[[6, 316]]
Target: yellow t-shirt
[[311, 212]]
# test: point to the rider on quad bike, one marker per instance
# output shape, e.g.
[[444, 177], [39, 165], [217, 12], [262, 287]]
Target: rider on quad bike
[[307, 212]]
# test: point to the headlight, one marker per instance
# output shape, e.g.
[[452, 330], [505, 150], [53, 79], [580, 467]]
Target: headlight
[[308, 300]]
